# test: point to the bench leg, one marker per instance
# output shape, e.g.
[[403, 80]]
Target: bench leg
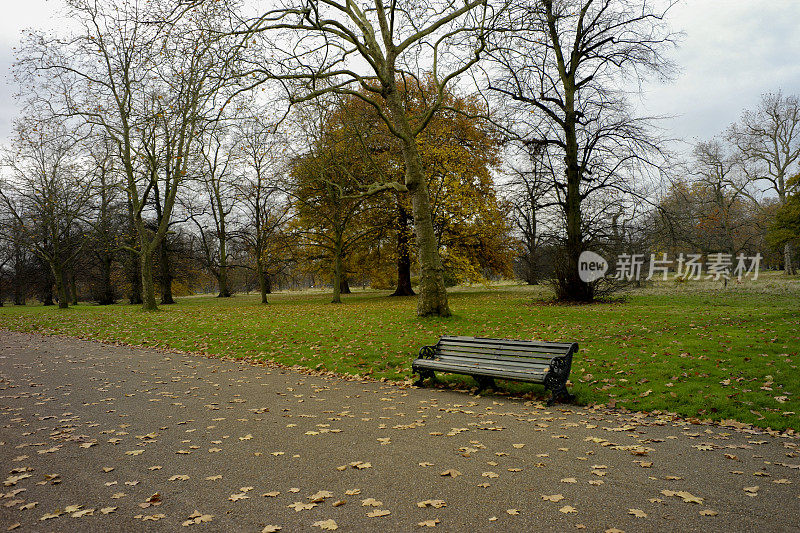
[[560, 392], [485, 382], [425, 374]]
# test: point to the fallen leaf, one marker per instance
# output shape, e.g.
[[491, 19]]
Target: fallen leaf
[[329, 524], [378, 513]]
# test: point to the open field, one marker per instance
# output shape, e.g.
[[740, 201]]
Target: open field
[[696, 349]]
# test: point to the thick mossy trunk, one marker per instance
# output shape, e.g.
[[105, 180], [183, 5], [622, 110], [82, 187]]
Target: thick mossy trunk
[[432, 299], [62, 286], [148, 285], [403, 253], [222, 281], [344, 284]]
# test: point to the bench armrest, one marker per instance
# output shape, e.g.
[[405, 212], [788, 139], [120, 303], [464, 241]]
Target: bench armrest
[[427, 352]]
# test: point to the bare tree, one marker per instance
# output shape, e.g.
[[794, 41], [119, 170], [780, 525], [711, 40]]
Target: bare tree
[[212, 206], [564, 64], [145, 72], [768, 140], [47, 192], [263, 207], [369, 50]]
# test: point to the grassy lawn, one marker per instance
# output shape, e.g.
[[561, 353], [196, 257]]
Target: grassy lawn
[[696, 349]]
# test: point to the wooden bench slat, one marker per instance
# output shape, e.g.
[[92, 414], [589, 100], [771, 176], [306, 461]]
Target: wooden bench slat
[[449, 349], [495, 342], [467, 363], [520, 347], [502, 373], [520, 361]]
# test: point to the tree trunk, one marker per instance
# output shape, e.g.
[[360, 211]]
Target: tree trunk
[[19, 289], [263, 281], [571, 287], [222, 281], [166, 275], [73, 288], [344, 284], [62, 286], [47, 289], [148, 286], [403, 253], [105, 291], [135, 280], [337, 275], [787, 260], [432, 299]]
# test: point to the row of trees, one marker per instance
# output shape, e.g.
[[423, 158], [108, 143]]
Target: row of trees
[[209, 142]]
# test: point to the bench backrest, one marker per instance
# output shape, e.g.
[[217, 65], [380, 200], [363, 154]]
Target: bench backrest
[[503, 349]]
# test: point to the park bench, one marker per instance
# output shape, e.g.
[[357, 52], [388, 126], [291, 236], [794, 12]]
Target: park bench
[[485, 359]]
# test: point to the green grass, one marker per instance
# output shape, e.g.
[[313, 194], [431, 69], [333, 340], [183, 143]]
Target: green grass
[[695, 349]]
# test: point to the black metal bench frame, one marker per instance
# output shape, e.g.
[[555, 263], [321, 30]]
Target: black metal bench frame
[[485, 359]]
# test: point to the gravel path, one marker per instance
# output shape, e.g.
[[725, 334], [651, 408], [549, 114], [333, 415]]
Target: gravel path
[[104, 438]]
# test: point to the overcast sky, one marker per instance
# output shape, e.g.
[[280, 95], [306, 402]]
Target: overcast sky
[[733, 51]]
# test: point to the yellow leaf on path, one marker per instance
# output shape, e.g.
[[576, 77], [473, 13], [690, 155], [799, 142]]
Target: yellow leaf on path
[[568, 509], [569, 480], [134, 452], [613, 530], [301, 506], [518, 446], [450, 473], [372, 502], [751, 490], [72, 508], [708, 512], [638, 513], [512, 512], [490, 474], [213, 478], [428, 523], [84, 512], [108, 510], [271, 494], [438, 504], [329, 525], [179, 477], [320, 496], [378, 513], [271, 529], [352, 492], [553, 497]]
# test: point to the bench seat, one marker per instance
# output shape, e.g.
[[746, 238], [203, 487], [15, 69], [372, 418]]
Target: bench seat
[[485, 359]]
